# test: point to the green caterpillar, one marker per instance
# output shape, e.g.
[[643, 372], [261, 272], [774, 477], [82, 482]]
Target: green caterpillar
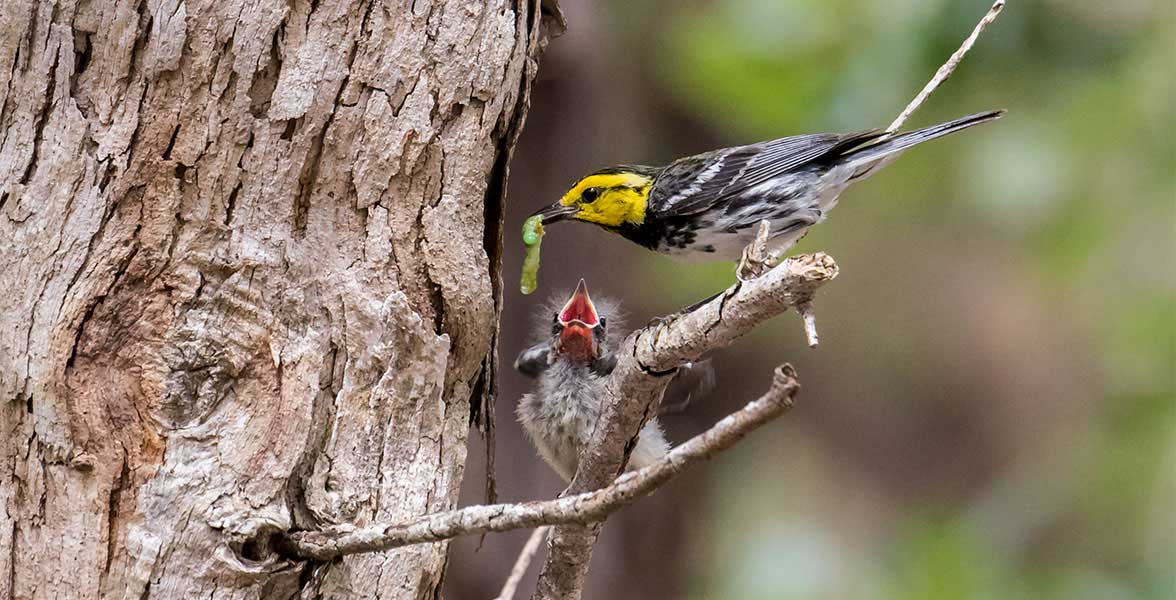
[[532, 237]]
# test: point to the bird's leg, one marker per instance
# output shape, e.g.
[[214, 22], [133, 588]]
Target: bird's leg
[[660, 320], [776, 255], [756, 259]]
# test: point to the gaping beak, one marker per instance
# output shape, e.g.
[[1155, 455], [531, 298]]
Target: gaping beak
[[556, 212], [579, 309], [577, 320]]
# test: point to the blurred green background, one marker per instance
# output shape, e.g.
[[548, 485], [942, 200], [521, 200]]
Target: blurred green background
[[992, 412]]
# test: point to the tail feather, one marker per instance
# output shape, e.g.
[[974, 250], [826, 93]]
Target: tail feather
[[871, 154]]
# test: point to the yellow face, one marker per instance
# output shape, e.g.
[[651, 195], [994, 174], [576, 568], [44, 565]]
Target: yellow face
[[610, 199]]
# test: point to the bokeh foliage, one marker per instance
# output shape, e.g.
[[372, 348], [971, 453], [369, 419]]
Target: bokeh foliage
[[1063, 212]]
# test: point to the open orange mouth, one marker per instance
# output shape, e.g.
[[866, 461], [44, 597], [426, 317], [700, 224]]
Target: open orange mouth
[[579, 309]]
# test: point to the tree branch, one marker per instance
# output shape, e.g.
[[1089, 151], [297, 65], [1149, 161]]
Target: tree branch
[[580, 509]]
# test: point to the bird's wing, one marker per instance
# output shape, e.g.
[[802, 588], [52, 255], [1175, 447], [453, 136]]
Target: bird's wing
[[534, 360], [692, 381], [696, 184]]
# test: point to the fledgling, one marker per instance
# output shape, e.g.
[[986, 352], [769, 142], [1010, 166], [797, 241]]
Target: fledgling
[[570, 367]]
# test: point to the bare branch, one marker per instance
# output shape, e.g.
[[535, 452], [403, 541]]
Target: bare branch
[[948, 67], [522, 563], [646, 360], [581, 508]]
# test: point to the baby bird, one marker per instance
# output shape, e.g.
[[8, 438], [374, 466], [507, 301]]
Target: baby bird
[[570, 366]]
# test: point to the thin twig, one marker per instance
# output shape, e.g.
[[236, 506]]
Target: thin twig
[[522, 563], [948, 67], [583, 508], [810, 323]]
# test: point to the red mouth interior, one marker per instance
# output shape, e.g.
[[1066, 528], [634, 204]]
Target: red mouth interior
[[579, 308], [576, 342]]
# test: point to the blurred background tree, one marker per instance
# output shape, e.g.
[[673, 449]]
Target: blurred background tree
[[992, 410]]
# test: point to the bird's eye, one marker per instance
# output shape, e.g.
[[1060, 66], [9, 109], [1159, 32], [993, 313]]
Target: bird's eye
[[603, 323], [590, 194]]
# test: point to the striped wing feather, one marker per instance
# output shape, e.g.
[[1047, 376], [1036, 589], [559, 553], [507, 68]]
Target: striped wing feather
[[696, 184]]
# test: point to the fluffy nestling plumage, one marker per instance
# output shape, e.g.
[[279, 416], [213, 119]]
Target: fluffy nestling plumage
[[570, 364]]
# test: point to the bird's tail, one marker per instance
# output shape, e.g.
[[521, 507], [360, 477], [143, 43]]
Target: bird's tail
[[870, 156]]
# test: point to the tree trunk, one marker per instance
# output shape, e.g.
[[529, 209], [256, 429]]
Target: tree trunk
[[249, 283]]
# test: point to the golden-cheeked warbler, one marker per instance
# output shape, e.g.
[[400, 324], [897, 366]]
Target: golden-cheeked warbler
[[707, 206]]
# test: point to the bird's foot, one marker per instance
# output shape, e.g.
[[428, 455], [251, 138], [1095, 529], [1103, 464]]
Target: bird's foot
[[756, 260], [662, 320]]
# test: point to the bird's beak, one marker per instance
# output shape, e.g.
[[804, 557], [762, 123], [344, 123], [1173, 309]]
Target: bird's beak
[[556, 212], [578, 319], [579, 309]]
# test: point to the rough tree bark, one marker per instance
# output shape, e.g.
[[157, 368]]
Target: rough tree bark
[[249, 282]]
